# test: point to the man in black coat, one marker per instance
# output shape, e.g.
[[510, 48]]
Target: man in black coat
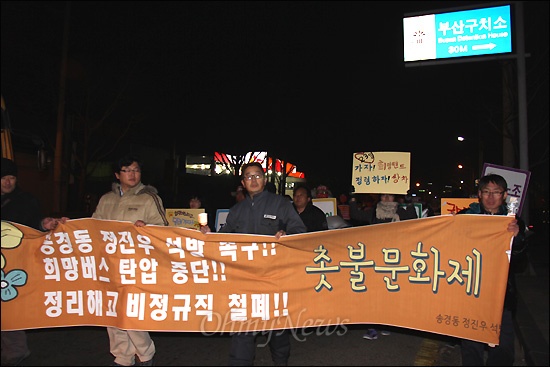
[[313, 217], [492, 193], [23, 208]]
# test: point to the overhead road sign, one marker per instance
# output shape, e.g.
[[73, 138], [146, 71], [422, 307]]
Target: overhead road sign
[[457, 34]]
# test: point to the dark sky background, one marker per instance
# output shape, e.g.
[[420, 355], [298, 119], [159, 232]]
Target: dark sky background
[[310, 82]]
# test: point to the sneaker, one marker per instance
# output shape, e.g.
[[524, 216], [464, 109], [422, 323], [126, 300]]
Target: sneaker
[[385, 332], [371, 334]]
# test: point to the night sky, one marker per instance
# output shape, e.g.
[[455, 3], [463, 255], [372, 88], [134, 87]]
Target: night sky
[[310, 82]]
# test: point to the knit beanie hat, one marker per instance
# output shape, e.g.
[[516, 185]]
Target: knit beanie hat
[[8, 168]]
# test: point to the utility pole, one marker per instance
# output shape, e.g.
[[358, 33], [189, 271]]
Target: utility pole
[[522, 103], [58, 158]]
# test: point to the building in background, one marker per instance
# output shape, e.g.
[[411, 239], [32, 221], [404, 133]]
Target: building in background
[[282, 174]]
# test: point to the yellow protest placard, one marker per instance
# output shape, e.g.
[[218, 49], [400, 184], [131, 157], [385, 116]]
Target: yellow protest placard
[[186, 218], [381, 172]]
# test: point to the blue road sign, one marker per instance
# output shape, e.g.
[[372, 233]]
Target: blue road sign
[[475, 32]]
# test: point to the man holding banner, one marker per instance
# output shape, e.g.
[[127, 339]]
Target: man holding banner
[[21, 207], [131, 200], [492, 194], [266, 213]]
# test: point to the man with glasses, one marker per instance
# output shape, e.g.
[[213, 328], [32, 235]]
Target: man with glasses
[[131, 200], [492, 195], [261, 212]]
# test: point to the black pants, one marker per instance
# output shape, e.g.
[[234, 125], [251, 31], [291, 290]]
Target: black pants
[[501, 355], [14, 346], [243, 348]]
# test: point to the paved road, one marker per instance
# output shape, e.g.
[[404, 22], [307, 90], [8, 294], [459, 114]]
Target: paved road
[[89, 346]]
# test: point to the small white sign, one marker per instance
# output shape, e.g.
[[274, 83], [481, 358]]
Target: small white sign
[[221, 216], [327, 205]]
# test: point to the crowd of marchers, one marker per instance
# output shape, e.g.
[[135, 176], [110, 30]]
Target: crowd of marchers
[[258, 210]]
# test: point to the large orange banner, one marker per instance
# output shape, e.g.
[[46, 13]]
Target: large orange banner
[[444, 274]]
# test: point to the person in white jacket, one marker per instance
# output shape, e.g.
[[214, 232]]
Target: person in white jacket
[[131, 200]]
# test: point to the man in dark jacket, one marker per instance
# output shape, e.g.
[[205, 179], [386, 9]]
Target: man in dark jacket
[[492, 195], [22, 208], [266, 213], [313, 217]]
